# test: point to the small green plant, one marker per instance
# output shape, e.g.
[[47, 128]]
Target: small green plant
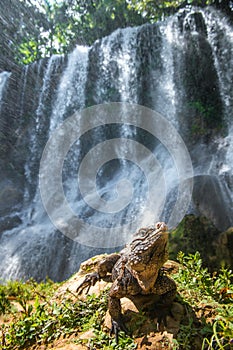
[[207, 112], [198, 286], [186, 335], [22, 293], [201, 282], [192, 276], [5, 304], [103, 341], [44, 322], [218, 339], [206, 118]]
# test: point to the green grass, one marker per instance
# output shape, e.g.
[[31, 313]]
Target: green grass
[[199, 289], [43, 321]]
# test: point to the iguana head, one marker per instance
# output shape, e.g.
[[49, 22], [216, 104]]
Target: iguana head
[[147, 253]]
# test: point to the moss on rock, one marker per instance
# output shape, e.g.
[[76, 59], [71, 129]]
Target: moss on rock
[[196, 234]]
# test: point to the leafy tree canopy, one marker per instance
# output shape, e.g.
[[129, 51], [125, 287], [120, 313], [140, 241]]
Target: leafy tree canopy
[[33, 29]]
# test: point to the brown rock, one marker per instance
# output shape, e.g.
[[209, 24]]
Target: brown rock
[[224, 245], [68, 288], [87, 335], [177, 311]]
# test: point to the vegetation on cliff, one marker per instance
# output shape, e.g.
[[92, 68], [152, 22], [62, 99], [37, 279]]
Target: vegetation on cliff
[[33, 316], [35, 29], [197, 233]]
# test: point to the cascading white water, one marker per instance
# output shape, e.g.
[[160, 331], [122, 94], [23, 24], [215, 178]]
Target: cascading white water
[[126, 59], [24, 76], [146, 65], [166, 99], [52, 64], [71, 91], [220, 37], [4, 76], [39, 115]]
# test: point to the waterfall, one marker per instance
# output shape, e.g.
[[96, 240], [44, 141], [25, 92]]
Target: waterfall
[[38, 123], [126, 60], [220, 37], [24, 76], [90, 113], [71, 91], [166, 99], [45, 87], [4, 76]]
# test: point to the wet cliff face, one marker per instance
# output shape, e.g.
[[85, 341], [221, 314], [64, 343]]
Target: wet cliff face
[[182, 68]]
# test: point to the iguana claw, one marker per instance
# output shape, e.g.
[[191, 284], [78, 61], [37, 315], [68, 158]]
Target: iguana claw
[[90, 280], [118, 326]]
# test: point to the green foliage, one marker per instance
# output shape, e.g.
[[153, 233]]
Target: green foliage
[[155, 10], [84, 22], [43, 320], [104, 342], [196, 285], [5, 304], [187, 334], [206, 111], [22, 293], [206, 118], [222, 337], [201, 283], [188, 237], [55, 27], [21, 24]]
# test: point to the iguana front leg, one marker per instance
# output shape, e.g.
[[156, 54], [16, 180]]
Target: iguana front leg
[[114, 307], [124, 286], [165, 288], [104, 267]]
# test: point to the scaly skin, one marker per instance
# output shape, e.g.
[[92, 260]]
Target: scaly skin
[[136, 272]]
